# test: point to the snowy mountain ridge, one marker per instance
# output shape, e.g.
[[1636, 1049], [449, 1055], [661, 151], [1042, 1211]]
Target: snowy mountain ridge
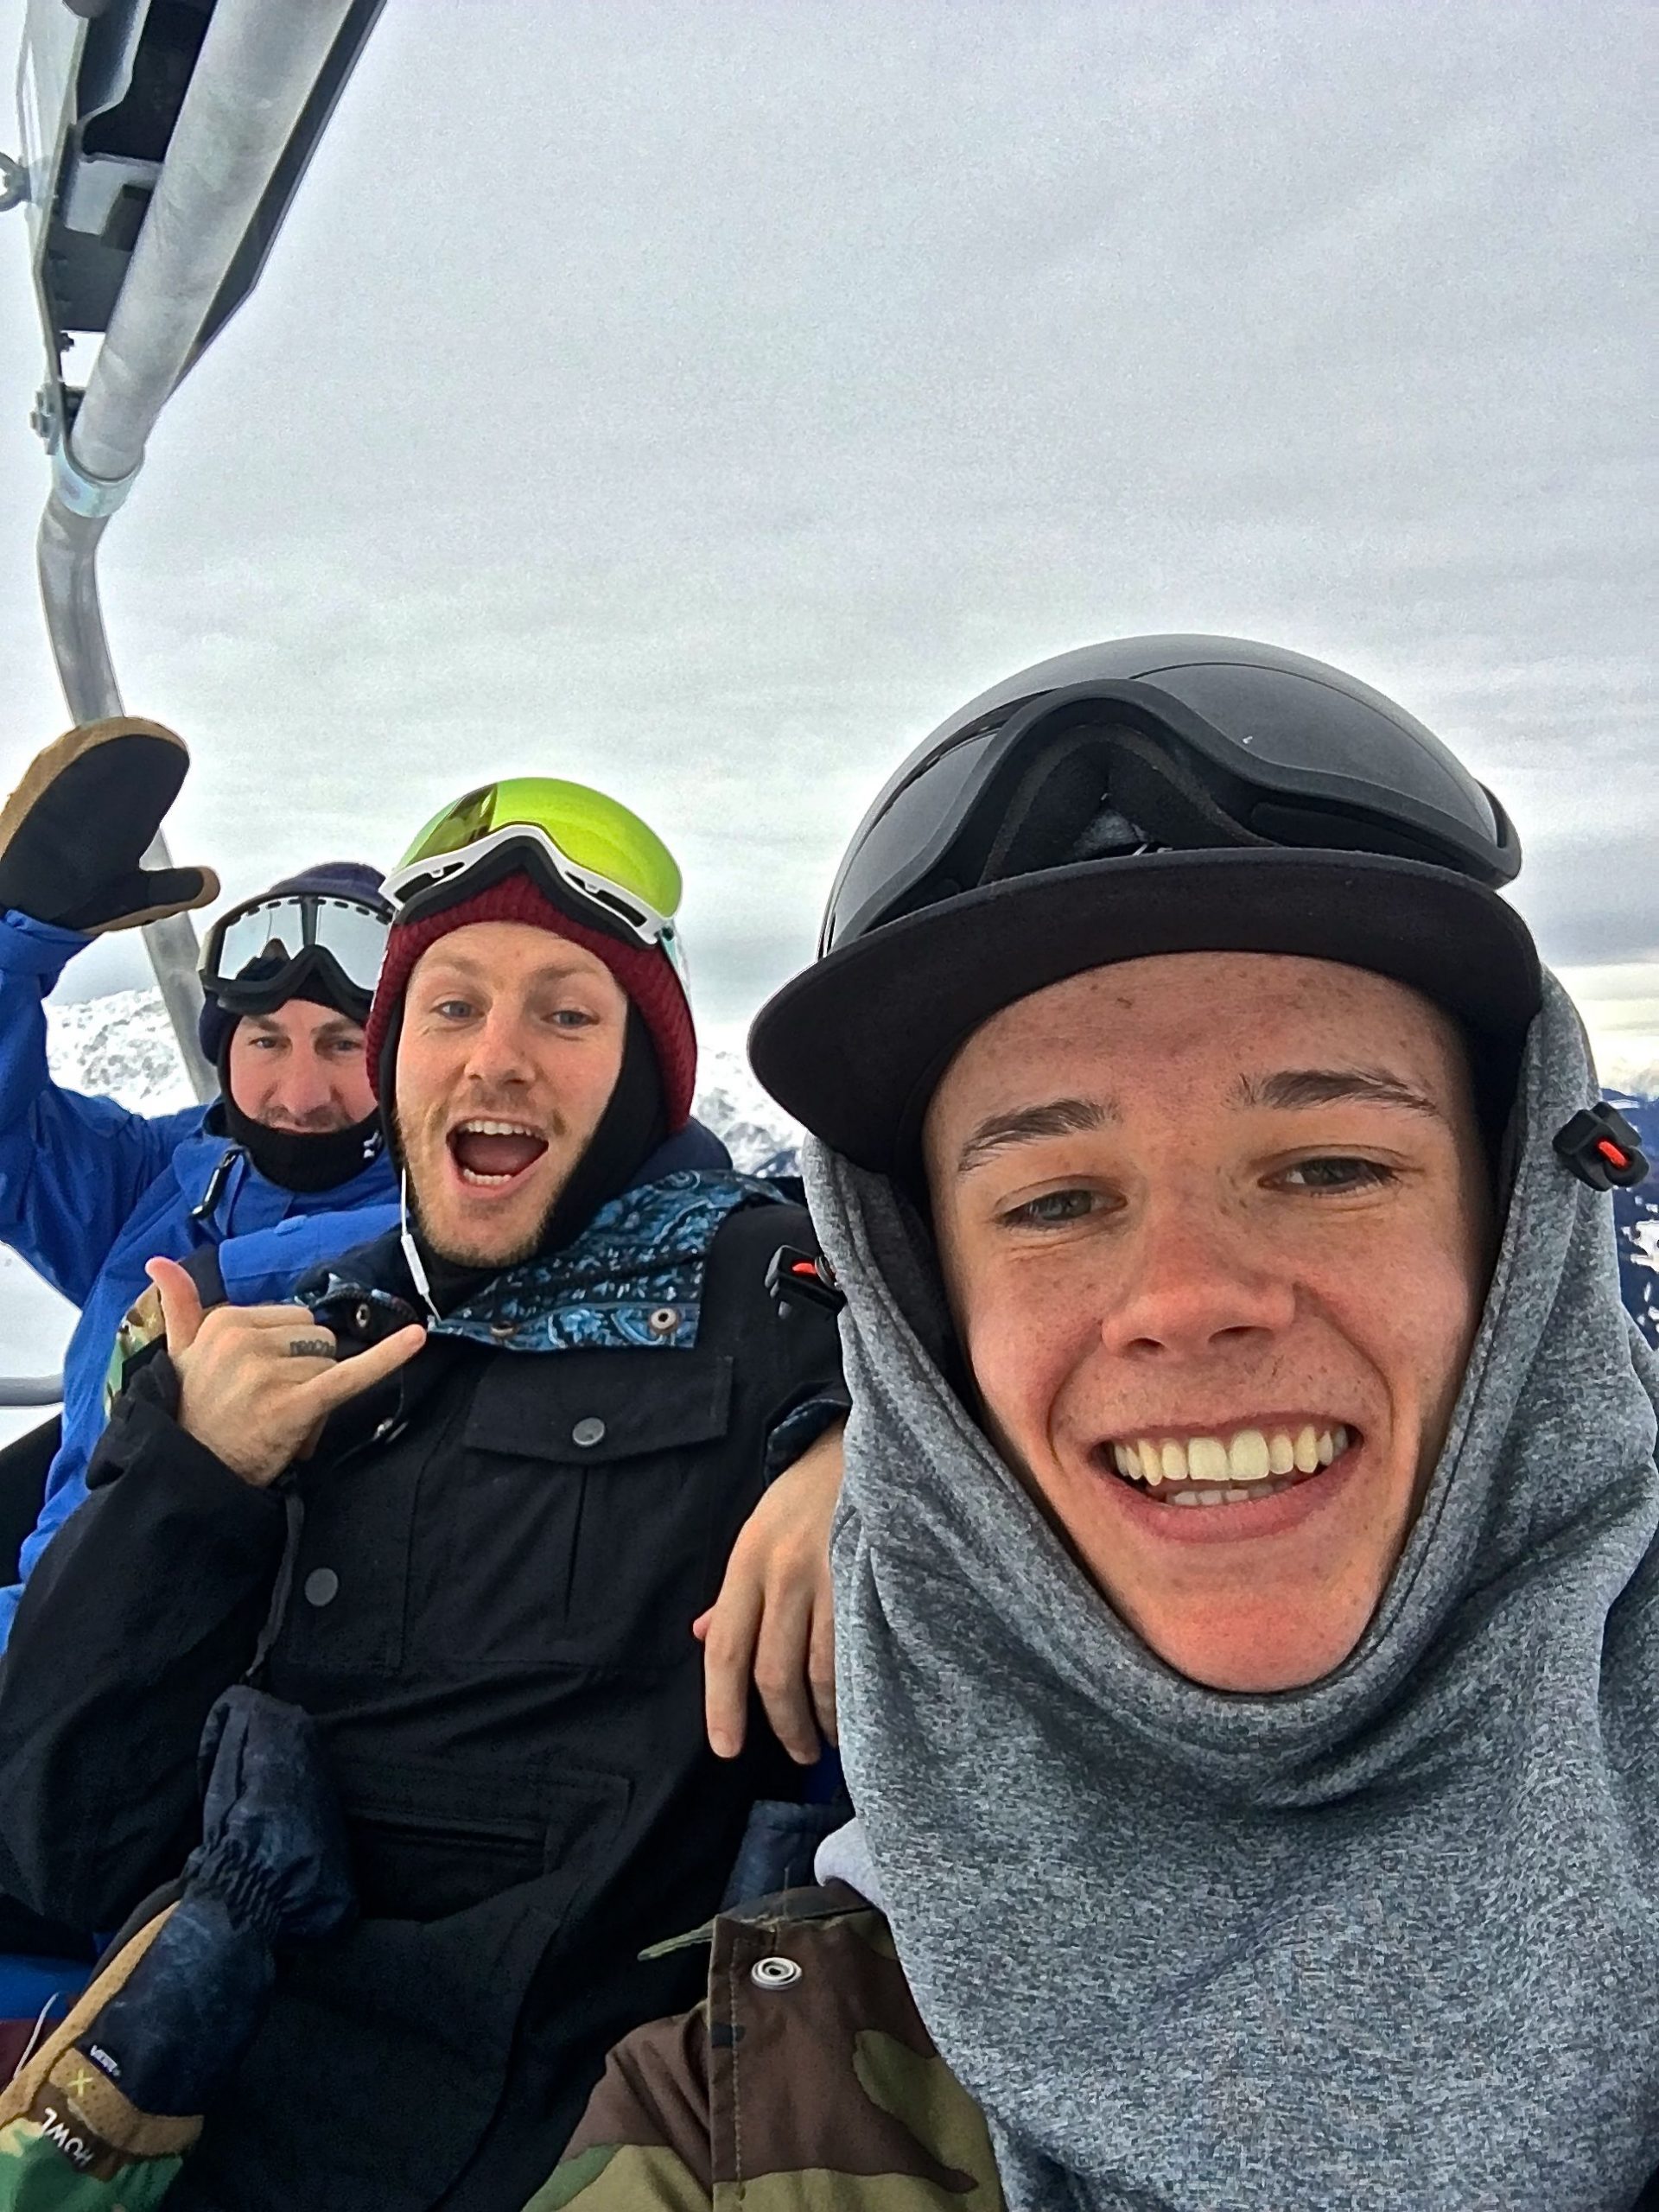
[[121, 1046]]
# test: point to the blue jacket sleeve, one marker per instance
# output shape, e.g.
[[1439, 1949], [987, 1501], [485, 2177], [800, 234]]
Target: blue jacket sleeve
[[71, 1169]]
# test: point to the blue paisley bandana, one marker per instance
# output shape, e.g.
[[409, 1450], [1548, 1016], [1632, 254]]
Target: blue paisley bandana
[[633, 1277]]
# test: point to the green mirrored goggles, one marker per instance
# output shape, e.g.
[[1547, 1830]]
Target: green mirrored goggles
[[615, 869]]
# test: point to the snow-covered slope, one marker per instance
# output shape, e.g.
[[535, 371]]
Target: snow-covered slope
[[1637, 1213], [121, 1046]]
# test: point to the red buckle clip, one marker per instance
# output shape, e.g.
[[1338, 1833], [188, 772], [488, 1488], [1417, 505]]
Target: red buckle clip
[[1602, 1149], [795, 1278]]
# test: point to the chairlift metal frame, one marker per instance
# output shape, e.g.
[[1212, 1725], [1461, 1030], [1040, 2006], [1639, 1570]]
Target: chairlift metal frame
[[154, 179]]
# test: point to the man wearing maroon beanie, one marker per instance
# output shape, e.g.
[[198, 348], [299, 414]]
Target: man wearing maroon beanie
[[473, 1552]]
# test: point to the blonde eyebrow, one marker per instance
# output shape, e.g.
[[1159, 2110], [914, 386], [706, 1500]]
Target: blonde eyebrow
[[461, 963]]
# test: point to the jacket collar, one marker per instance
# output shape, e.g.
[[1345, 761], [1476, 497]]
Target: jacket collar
[[244, 1200], [632, 1280]]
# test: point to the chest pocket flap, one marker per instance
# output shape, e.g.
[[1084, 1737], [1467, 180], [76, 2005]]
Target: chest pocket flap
[[585, 1532], [590, 1408]]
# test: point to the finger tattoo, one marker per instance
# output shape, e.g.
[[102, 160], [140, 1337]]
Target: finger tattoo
[[311, 1348]]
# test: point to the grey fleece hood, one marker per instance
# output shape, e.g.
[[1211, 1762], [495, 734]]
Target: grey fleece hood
[[1392, 1939]]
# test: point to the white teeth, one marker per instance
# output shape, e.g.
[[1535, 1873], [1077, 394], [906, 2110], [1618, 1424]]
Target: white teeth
[[1253, 1457], [1247, 1457], [1207, 1461], [496, 1129]]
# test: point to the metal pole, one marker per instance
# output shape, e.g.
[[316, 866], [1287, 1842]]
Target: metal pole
[[74, 621], [259, 66], [31, 1390]]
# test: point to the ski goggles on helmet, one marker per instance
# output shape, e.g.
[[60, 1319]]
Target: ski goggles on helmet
[[258, 954], [587, 851], [1193, 757]]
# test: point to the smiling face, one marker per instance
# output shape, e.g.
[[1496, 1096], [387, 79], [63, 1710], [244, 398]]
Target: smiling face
[[1215, 1230], [300, 1068], [511, 1045]]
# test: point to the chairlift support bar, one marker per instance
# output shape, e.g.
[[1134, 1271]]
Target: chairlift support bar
[[30, 1390], [259, 94]]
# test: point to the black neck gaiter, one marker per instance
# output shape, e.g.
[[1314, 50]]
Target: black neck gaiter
[[298, 1160]]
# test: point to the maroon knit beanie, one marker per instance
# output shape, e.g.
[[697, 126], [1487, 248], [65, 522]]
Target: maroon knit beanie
[[642, 970]]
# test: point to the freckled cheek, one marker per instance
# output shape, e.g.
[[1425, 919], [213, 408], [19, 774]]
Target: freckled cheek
[[1414, 1331], [1442, 1342], [1024, 1350]]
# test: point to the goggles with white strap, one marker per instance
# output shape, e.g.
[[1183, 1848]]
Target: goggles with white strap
[[585, 849]]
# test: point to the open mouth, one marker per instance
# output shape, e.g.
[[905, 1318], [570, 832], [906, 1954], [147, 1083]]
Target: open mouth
[[488, 1155], [1239, 1468]]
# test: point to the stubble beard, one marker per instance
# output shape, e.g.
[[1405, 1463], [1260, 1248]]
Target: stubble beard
[[456, 1252]]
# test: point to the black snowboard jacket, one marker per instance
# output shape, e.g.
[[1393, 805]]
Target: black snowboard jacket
[[481, 1585]]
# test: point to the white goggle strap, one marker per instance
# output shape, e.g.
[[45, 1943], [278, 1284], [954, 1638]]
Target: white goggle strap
[[621, 904]]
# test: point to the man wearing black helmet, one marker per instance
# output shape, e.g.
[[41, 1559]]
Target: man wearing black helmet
[[1245, 1572], [285, 1169]]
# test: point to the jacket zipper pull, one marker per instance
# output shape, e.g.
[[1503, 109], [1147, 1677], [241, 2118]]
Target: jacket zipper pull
[[216, 1182]]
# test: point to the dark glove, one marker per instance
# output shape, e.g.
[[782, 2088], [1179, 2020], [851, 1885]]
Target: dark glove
[[73, 832], [106, 2111], [273, 1836]]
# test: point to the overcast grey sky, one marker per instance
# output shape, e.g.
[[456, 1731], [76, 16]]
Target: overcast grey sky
[[705, 399]]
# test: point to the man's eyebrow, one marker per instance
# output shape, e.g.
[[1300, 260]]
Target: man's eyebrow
[[462, 964], [1289, 1088], [1055, 1117]]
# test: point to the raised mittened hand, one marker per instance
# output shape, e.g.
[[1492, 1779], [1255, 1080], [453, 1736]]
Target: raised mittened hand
[[73, 833]]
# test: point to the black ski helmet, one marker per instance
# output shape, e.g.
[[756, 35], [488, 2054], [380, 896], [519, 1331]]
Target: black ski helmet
[[1151, 795]]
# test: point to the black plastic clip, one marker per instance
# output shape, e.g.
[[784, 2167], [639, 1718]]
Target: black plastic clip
[[795, 1278], [1602, 1149], [216, 1182], [358, 1316]]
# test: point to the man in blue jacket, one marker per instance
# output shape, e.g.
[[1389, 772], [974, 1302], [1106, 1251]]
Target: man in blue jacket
[[287, 1168]]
